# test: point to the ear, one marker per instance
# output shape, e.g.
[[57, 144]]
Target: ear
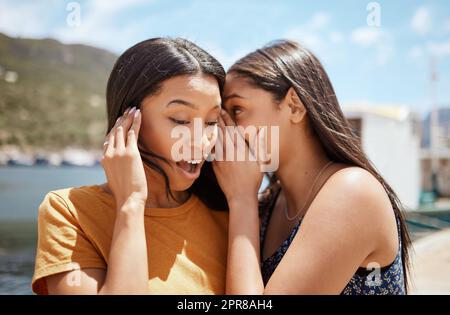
[[297, 109]]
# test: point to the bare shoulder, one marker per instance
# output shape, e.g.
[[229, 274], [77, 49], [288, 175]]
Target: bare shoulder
[[354, 199], [359, 187]]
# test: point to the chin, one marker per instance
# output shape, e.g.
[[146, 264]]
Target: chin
[[180, 185]]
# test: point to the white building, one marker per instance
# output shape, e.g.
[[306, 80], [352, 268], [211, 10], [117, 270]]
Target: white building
[[390, 138]]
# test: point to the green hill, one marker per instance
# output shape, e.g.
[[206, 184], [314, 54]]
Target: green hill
[[57, 98]]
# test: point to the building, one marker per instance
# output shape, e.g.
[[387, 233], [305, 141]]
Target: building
[[440, 184], [390, 136]]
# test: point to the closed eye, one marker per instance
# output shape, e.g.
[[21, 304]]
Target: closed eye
[[185, 122], [212, 123], [179, 122]]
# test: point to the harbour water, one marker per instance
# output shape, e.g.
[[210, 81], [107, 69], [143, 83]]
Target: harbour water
[[21, 191]]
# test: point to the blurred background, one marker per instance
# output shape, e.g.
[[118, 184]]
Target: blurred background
[[389, 62]]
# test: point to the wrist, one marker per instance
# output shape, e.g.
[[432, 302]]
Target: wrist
[[244, 201], [131, 206]]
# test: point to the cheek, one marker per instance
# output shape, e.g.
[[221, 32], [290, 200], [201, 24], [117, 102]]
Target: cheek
[[270, 121], [156, 137]]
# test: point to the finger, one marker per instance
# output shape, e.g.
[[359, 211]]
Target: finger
[[113, 129], [117, 123], [226, 118], [122, 117], [221, 125], [125, 124], [228, 121], [133, 133], [128, 120], [209, 140], [137, 120], [240, 138], [229, 143], [225, 133], [252, 146], [109, 147], [105, 146], [220, 146], [263, 155], [131, 139], [120, 141]]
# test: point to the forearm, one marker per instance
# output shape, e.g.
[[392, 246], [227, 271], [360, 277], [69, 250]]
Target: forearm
[[127, 266], [243, 269]]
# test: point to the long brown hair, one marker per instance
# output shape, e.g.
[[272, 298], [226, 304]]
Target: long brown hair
[[140, 72], [283, 64]]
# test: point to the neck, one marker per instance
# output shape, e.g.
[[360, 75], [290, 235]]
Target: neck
[[156, 192], [298, 172]]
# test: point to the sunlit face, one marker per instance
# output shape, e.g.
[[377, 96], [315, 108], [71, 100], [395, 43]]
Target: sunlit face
[[180, 100], [252, 106]]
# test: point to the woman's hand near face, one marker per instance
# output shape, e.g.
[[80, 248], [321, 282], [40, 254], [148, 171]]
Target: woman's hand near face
[[122, 162], [238, 179], [128, 252], [240, 182]]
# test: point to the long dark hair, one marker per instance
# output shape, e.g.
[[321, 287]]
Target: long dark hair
[[139, 72], [283, 64]]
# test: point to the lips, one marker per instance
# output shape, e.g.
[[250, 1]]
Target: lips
[[190, 169]]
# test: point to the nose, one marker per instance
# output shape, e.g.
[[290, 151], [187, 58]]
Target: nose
[[200, 141], [196, 148]]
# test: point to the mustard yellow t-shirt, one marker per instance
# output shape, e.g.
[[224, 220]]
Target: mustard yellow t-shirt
[[186, 246]]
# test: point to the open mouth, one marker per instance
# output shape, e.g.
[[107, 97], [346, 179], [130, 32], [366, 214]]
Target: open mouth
[[190, 168]]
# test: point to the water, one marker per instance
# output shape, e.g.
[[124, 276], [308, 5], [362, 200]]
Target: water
[[22, 190]]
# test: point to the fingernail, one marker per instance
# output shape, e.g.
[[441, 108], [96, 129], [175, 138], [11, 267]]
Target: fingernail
[[132, 110], [136, 114]]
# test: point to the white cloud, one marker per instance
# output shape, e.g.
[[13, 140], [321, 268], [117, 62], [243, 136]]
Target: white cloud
[[415, 52], [366, 36], [336, 37], [227, 59], [306, 37], [99, 27], [319, 20], [316, 35], [384, 53], [439, 49], [446, 26], [25, 19], [421, 21], [376, 39]]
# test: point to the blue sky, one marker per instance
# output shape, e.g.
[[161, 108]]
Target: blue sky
[[384, 64]]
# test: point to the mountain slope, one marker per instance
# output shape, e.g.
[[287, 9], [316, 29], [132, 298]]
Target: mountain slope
[[57, 97]]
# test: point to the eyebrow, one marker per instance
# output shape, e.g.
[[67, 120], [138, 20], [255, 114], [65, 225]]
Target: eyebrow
[[186, 103], [234, 95], [181, 102]]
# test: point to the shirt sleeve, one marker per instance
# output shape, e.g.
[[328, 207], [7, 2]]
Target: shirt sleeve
[[62, 245]]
